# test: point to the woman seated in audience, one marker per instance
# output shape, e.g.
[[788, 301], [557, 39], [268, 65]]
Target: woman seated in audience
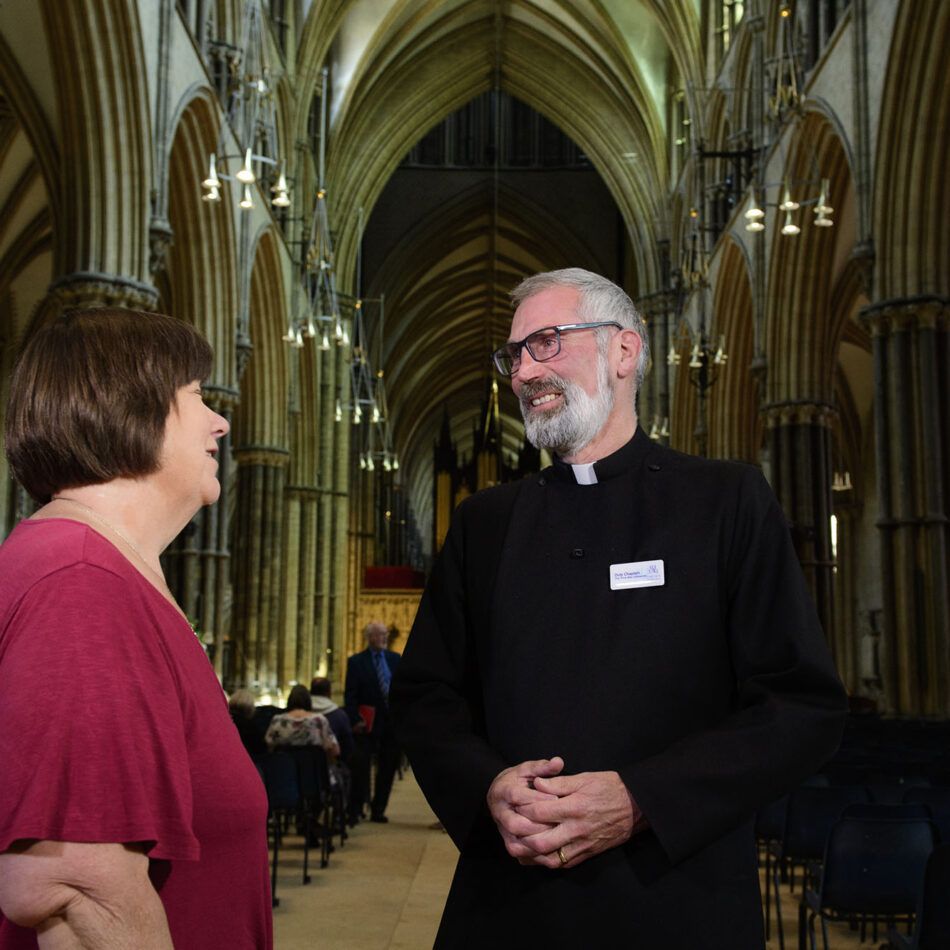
[[299, 725]]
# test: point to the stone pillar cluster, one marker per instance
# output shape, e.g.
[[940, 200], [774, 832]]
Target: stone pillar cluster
[[799, 442], [912, 424], [259, 524]]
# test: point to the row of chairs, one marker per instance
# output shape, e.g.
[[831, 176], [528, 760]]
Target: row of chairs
[[843, 826], [873, 871], [300, 794]]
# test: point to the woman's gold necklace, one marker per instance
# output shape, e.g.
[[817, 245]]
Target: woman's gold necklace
[[92, 513]]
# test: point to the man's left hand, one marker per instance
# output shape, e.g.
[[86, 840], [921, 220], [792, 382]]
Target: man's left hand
[[593, 812]]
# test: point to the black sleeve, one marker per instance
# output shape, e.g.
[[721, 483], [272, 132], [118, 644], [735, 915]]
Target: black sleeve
[[435, 697], [790, 705]]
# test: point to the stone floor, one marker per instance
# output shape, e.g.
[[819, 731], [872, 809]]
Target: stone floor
[[385, 889]]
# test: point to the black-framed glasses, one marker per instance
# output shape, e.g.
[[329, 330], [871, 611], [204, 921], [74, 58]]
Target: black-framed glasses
[[543, 345]]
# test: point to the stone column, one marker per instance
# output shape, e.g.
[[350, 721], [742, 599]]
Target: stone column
[[259, 512], [340, 593], [845, 636], [911, 348], [654, 403], [298, 647], [799, 440]]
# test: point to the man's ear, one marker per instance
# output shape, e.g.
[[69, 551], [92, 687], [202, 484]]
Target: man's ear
[[630, 346]]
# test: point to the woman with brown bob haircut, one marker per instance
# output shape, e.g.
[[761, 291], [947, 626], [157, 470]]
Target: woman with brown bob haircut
[[130, 816]]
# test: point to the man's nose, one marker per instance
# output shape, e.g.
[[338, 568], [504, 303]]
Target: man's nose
[[528, 367]]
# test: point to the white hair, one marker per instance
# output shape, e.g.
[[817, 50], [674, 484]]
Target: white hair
[[600, 300], [574, 425]]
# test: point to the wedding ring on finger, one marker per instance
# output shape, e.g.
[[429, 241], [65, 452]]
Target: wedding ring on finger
[[561, 857]]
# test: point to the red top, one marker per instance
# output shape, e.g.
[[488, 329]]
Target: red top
[[113, 728]]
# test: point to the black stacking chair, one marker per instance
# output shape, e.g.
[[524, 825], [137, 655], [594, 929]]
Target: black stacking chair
[[873, 869], [283, 800], [312, 809], [335, 798], [891, 789], [938, 800], [932, 929], [809, 818], [882, 810], [769, 826]]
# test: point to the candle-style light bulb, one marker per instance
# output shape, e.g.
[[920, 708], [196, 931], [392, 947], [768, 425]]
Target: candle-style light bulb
[[246, 175], [212, 181]]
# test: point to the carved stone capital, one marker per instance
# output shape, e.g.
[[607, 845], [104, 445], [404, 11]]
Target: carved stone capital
[[926, 312], [220, 398], [160, 239], [242, 349], [799, 413], [303, 492], [657, 304], [864, 256], [95, 289], [267, 455]]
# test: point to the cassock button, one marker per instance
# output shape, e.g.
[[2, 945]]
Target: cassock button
[[653, 467], [577, 553], [542, 482]]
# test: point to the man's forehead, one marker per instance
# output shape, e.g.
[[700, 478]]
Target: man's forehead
[[550, 307]]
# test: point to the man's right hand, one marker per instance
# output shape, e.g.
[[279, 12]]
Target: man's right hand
[[512, 788]]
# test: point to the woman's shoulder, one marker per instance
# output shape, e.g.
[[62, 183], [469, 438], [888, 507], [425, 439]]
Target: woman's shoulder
[[51, 553], [43, 546]]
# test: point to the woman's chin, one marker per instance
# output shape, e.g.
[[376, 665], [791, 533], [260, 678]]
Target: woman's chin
[[211, 493]]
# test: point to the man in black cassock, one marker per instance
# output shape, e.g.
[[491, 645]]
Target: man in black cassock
[[615, 663]]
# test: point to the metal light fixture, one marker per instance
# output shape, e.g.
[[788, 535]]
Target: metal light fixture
[[754, 217], [251, 117]]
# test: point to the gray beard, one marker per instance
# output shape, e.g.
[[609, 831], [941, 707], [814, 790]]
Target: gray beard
[[575, 424]]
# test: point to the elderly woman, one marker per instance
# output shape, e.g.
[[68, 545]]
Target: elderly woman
[[299, 725], [131, 816]]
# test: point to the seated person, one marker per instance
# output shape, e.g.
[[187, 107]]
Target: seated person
[[241, 707], [338, 719], [300, 726]]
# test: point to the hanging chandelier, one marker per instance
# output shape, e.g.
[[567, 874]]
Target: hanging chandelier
[[706, 358], [785, 106], [252, 121], [755, 215]]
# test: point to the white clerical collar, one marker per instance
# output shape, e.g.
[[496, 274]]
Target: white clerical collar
[[584, 473]]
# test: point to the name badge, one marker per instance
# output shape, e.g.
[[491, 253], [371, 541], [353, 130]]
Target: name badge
[[636, 574]]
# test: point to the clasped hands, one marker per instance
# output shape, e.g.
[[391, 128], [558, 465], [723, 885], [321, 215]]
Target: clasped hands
[[559, 821]]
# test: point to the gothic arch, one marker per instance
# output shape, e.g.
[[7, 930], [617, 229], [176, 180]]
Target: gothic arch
[[734, 426], [102, 234], [202, 281], [261, 420], [437, 303], [18, 93], [399, 102], [684, 409], [911, 186], [801, 274]]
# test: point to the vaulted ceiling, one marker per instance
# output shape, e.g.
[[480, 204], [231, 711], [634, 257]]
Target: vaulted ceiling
[[601, 70]]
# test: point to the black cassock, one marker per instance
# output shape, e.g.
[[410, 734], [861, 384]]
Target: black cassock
[[711, 694]]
